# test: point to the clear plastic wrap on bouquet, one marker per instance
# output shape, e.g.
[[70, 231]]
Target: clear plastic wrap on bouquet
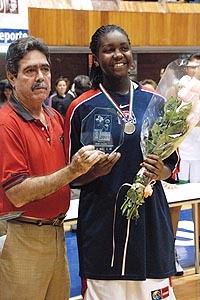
[[172, 112]]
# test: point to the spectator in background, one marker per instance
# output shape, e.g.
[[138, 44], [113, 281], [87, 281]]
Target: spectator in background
[[62, 86], [150, 84], [5, 92], [81, 84]]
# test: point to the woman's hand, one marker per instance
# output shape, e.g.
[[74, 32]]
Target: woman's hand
[[105, 164], [155, 168]]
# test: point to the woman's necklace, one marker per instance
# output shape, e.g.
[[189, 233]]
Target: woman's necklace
[[129, 120]]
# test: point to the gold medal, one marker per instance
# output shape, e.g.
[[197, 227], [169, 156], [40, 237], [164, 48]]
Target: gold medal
[[129, 128]]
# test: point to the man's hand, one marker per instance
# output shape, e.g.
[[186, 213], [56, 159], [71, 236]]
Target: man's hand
[[85, 158], [39, 187], [102, 166]]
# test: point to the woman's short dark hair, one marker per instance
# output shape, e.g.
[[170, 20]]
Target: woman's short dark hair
[[66, 80]]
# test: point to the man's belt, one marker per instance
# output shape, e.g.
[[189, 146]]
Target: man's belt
[[54, 222]]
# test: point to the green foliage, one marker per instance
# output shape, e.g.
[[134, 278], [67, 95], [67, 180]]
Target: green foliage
[[168, 129], [164, 137]]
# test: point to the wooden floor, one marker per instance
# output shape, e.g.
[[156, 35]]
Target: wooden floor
[[187, 287]]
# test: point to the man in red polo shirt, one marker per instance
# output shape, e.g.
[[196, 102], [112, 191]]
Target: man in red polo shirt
[[34, 179]]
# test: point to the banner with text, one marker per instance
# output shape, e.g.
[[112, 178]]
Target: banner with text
[[13, 21]]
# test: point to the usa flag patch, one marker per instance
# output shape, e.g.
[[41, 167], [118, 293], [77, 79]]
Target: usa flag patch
[[160, 294]]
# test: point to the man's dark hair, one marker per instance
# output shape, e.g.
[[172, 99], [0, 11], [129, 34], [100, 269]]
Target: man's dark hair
[[19, 48]]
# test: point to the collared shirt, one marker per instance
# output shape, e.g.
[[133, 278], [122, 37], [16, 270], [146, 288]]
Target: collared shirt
[[30, 149]]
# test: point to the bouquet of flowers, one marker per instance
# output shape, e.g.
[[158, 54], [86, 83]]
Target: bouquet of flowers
[[172, 112]]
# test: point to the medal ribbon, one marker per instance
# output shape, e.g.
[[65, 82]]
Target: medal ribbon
[[112, 101]]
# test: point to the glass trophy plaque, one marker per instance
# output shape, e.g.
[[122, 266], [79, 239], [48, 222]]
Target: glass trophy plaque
[[104, 129]]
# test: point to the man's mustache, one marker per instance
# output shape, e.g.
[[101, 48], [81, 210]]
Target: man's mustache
[[39, 85]]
